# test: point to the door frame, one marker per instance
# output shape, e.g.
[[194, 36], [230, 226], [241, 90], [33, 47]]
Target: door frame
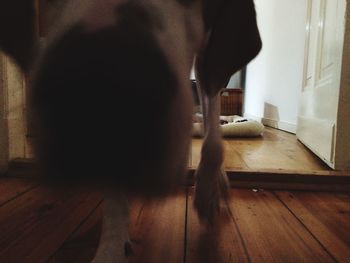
[[342, 147]]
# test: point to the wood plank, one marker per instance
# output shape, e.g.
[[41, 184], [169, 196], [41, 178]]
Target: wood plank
[[270, 232], [232, 157], [263, 154], [275, 149], [289, 144], [284, 172], [326, 215], [217, 245], [290, 186], [35, 224], [157, 230], [11, 188], [82, 245], [285, 179]]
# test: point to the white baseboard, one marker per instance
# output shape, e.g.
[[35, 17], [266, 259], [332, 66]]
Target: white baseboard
[[281, 125]]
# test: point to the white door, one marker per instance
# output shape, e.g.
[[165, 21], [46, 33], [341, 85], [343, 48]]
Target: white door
[[317, 120]]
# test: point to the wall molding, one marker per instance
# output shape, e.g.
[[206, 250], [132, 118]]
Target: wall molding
[[277, 124], [281, 125]]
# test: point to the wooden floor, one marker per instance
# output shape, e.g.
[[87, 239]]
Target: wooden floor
[[38, 225], [274, 150]]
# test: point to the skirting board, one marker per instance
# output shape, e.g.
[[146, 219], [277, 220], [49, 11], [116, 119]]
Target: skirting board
[[281, 125]]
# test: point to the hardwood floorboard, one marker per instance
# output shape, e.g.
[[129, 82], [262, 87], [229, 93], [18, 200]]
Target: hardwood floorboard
[[270, 232], [289, 144], [64, 227], [156, 227], [220, 244], [81, 246], [233, 158], [10, 188], [263, 155], [157, 230], [274, 150], [36, 223], [326, 215]]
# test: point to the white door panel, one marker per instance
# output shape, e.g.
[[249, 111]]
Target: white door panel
[[311, 43], [322, 69], [315, 138]]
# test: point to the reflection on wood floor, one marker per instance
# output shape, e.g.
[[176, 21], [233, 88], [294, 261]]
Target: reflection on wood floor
[[275, 149], [37, 225]]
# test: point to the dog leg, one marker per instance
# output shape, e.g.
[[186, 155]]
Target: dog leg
[[211, 180], [232, 41], [114, 240]]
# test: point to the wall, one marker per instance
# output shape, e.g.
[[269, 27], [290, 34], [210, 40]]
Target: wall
[[12, 116], [234, 83], [15, 109], [274, 78], [4, 140]]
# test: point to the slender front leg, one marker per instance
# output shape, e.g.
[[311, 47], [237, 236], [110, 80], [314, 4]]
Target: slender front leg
[[114, 236], [211, 180], [232, 41]]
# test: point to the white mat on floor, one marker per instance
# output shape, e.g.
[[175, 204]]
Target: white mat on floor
[[237, 126]]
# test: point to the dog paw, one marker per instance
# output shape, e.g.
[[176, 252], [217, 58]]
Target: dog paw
[[210, 190]]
